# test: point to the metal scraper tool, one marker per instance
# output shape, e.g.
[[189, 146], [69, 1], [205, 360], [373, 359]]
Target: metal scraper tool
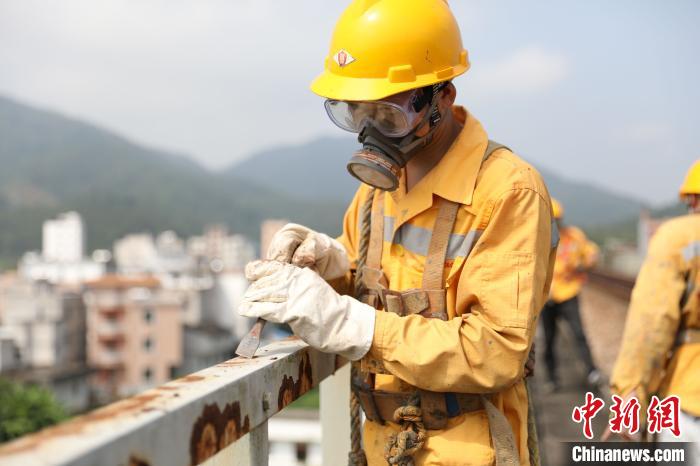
[[249, 344]]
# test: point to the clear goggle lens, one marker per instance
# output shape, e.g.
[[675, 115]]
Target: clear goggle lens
[[391, 119]]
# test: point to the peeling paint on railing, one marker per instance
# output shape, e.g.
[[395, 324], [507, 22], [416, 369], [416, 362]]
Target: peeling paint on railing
[[184, 422]]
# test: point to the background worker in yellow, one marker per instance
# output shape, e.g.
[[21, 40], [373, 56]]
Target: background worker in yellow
[[660, 352], [575, 255], [460, 252]]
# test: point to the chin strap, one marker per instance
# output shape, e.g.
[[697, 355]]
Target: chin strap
[[410, 142]]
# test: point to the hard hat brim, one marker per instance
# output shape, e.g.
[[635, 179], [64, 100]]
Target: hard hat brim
[[332, 86]]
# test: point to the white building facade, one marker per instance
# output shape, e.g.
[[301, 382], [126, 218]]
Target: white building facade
[[63, 238]]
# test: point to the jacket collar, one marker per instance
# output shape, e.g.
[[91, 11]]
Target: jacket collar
[[453, 178]]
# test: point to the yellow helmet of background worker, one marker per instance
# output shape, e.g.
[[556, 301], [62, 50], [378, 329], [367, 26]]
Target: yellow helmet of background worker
[[557, 209], [691, 184], [383, 47]]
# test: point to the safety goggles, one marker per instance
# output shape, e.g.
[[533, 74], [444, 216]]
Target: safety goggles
[[394, 118]]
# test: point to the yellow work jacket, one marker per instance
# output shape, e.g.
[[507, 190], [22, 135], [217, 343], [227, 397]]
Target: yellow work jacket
[[574, 254], [665, 298], [498, 271]]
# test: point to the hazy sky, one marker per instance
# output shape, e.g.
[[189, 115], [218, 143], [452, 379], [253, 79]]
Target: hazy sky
[[596, 90]]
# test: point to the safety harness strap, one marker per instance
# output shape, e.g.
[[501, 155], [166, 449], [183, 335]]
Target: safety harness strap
[[690, 285], [505, 448], [433, 404], [492, 147], [688, 336], [437, 250], [380, 405]]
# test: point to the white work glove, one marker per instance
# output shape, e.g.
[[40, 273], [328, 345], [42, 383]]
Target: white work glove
[[303, 247], [332, 323]]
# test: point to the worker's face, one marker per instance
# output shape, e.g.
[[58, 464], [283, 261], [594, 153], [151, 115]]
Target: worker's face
[[398, 117], [390, 131], [693, 203], [445, 102], [395, 116]]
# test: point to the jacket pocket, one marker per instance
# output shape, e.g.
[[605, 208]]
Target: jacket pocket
[[507, 289]]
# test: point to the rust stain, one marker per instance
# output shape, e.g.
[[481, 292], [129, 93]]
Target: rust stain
[[203, 442], [291, 390], [305, 382], [136, 461], [130, 406], [286, 393], [191, 378], [215, 430], [232, 429], [235, 362], [127, 406]]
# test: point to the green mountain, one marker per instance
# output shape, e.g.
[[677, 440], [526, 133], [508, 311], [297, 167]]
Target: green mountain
[[51, 163], [316, 170]]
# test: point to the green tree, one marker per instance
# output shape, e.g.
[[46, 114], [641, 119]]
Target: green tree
[[25, 409]]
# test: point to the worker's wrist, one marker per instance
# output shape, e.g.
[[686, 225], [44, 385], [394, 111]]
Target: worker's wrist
[[382, 321], [359, 328]]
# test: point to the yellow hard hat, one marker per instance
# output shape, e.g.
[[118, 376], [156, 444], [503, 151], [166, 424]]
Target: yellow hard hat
[[383, 47], [691, 184], [557, 209]]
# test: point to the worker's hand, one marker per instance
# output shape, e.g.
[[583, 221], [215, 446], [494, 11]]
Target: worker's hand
[[332, 323], [303, 247]]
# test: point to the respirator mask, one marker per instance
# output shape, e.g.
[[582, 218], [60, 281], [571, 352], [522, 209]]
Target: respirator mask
[[387, 132]]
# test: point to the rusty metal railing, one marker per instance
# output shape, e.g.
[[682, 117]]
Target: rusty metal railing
[[215, 416]]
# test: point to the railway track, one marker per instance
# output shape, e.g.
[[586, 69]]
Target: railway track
[[603, 304], [617, 285]]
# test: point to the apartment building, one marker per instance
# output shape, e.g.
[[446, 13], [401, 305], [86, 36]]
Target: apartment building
[[134, 333]]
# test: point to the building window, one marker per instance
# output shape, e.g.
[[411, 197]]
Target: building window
[[147, 375], [148, 344], [148, 315]]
